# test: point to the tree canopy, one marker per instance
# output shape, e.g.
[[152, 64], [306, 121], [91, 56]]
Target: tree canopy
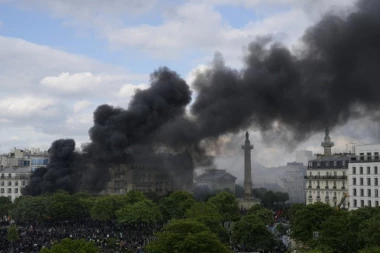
[[186, 236], [70, 246]]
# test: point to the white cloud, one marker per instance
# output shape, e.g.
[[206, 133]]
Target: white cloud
[[82, 105], [71, 83], [27, 107], [128, 90]]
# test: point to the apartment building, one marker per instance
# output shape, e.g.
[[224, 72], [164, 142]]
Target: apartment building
[[363, 176], [12, 180]]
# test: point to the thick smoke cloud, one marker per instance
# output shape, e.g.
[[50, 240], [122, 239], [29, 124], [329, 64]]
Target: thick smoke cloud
[[61, 173], [333, 77]]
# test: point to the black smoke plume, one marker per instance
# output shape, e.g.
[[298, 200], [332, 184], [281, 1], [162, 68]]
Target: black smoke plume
[[332, 78]]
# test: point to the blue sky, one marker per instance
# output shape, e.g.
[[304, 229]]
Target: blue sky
[[62, 58]]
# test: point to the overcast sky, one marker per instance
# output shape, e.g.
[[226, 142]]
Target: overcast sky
[[60, 59]]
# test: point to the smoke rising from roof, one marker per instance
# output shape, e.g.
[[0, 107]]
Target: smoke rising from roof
[[332, 78]]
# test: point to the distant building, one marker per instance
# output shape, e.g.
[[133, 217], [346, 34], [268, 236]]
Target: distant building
[[363, 176], [326, 179], [24, 158], [12, 180], [216, 180], [294, 181], [304, 156]]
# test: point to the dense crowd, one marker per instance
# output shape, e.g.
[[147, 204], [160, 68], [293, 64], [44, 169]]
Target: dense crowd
[[108, 236]]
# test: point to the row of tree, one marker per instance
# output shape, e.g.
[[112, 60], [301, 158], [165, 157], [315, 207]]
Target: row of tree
[[191, 226], [323, 228]]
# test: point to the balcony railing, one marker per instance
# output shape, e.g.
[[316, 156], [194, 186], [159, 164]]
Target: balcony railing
[[326, 177]]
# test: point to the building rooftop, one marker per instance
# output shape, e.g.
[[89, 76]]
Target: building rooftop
[[215, 174], [15, 170]]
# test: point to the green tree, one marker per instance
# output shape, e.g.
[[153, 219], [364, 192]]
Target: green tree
[[370, 250], [370, 231], [264, 214], [251, 232], [186, 236], [144, 212], [69, 246], [207, 214], [64, 206], [27, 208], [105, 207], [335, 233], [176, 205], [134, 196], [310, 219], [291, 211], [227, 206], [5, 206]]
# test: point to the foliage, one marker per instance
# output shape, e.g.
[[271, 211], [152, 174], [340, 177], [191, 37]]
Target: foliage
[[251, 232], [370, 231], [64, 206], [27, 208], [207, 214], [176, 205], [292, 210], [105, 207], [5, 206], [335, 233], [264, 214], [69, 246], [227, 206], [281, 229], [310, 219], [270, 199], [134, 196], [186, 236], [143, 212], [12, 234], [370, 250]]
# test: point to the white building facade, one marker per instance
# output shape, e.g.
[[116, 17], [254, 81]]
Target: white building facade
[[363, 176], [13, 180], [326, 178]]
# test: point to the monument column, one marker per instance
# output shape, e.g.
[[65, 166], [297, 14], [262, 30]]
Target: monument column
[[247, 168]]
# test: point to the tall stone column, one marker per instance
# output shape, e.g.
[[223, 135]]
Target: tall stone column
[[247, 147]]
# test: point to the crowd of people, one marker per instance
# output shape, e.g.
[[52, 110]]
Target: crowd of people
[[107, 236]]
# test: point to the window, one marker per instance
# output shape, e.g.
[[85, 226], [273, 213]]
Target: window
[[361, 156], [2, 183], [369, 202], [16, 183], [9, 183], [376, 181], [376, 203], [9, 190], [23, 183], [376, 155], [369, 192], [343, 185], [375, 170], [376, 193], [2, 190], [355, 203], [327, 164], [318, 164], [354, 192], [361, 181], [368, 181], [368, 170], [16, 190], [361, 192], [335, 163], [354, 181], [361, 203], [361, 170], [369, 156], [334, 185]]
